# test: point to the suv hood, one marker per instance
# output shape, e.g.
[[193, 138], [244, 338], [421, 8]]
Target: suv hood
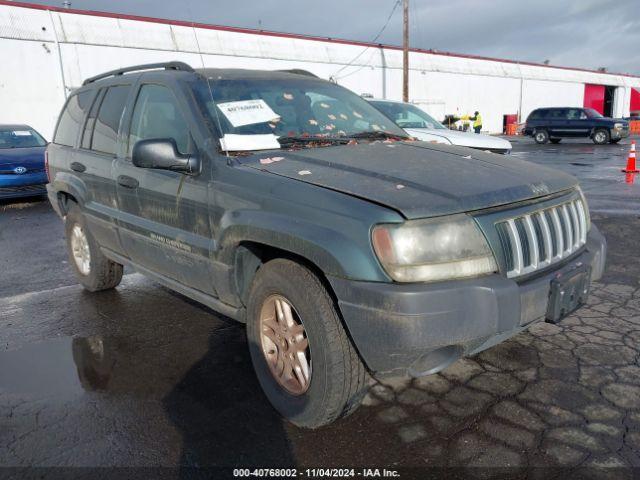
[[417, 179]]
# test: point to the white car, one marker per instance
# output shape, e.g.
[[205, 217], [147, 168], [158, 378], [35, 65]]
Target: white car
[[419, 124]]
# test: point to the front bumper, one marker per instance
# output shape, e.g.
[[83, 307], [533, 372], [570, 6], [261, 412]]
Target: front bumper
[[418, 329], [27, 185], [617, 134]]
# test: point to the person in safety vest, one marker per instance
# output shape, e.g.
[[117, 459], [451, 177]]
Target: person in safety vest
[[477, 122]]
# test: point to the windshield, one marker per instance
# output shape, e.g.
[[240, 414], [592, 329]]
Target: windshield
[[20, 138], [406, 115], [591, 113], [254, 113]]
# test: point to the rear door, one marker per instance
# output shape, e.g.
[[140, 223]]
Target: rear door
[[164, 222], [95, 159], [556, 121]]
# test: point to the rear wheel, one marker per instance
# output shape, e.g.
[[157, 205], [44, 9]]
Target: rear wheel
[[541, 136], [93, 270], [303, 358], [601, 136], [555, 140]]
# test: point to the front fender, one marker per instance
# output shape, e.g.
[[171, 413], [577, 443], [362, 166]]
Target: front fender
[[333, 251]]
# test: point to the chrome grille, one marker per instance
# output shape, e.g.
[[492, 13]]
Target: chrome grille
[[536, 240]]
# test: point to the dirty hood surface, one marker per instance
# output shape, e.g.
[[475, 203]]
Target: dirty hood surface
[[417, 179]]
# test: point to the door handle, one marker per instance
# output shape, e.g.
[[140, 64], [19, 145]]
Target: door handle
[[77, 167], [127, 182]]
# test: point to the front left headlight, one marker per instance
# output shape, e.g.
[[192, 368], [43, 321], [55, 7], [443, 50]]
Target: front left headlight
[[433, 249]]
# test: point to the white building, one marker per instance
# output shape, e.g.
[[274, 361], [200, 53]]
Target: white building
[[48, 51]]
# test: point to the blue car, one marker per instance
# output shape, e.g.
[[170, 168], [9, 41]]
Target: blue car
[[22, 165]]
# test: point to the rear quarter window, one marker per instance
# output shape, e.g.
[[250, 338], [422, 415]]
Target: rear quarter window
[[71, 118], [537, 115]]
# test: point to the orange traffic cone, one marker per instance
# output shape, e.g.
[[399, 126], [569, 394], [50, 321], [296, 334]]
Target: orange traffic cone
[[631, 161]]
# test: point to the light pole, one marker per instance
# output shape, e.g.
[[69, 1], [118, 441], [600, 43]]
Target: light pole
[[405, 51]]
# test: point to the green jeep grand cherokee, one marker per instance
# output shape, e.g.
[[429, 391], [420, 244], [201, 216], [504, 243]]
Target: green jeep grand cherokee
[[291, 204]]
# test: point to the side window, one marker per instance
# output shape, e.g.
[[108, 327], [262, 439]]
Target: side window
[[71, 119], [574, 114], [557, 114], [156, 115], [91, 120], [105, 133], [538, 114]]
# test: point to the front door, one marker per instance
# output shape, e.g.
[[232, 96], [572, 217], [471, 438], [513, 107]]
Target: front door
[[164, 222], [577, 123]]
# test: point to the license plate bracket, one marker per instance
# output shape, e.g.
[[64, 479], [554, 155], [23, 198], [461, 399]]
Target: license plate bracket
[[568, 292]]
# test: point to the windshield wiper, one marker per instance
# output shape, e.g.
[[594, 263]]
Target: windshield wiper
[[378, 135], [306, 140]]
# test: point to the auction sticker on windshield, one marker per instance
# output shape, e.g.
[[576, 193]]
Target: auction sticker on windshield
[[247, 112]]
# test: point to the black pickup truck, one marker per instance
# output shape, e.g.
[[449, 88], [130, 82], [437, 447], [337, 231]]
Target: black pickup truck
[[291, 204], [554, 124]]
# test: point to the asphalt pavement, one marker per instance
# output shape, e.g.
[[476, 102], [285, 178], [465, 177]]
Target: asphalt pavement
[[143, 377]]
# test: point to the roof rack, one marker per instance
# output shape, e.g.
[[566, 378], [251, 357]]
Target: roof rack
[[299, 71], [150, 66]]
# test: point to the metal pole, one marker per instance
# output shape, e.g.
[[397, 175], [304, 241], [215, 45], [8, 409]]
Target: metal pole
[[57, 44], [405, 51]]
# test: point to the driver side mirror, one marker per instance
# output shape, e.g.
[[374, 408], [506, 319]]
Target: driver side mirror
[[162, 154]]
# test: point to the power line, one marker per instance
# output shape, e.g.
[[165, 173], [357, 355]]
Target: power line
[[393, 10]]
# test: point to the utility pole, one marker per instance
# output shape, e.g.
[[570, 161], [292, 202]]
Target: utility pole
[[405, 51]]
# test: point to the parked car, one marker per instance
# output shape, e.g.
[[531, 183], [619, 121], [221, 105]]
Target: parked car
[[554, 124], [291, 204], [22, 166], [419, 124]]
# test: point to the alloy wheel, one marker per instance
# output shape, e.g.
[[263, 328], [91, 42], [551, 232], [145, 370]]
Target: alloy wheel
[[80, 250], [285, 345]]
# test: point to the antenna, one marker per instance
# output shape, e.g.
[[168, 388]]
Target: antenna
[[215, 108]]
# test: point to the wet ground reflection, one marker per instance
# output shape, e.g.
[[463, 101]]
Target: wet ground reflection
[[598, 168], [60, 367]]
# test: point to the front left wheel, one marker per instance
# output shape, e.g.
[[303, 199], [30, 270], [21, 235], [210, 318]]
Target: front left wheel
[[93, 270], [601, 136], [302, 355]]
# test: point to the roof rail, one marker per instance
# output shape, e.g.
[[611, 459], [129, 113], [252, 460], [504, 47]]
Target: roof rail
[[150, 66], [299, 71]]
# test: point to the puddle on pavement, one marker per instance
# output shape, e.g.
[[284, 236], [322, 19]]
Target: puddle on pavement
[[60, 367]]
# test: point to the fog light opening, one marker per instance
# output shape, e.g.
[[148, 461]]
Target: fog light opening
[[435, 361]]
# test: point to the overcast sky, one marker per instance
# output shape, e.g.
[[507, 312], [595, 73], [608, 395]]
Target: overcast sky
[[578, 33]]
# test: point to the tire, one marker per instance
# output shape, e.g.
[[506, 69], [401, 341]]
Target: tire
[[601, 136], [555, 141], [337, 377], [541, 136], [98, 273]]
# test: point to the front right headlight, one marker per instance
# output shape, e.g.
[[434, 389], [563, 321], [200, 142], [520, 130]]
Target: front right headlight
[[433, 249], [585, 205]]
